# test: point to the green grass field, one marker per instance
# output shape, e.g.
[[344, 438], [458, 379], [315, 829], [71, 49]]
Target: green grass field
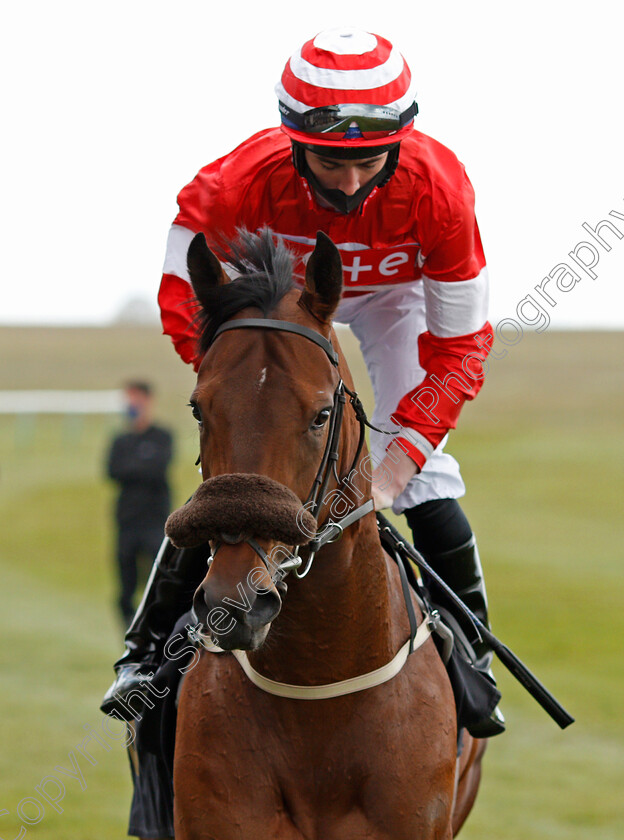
[[543, 458]]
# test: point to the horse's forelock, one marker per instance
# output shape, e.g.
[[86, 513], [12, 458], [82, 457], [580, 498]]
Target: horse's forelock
[[264, 270]]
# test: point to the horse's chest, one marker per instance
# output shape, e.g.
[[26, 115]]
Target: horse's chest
[[344, 768]]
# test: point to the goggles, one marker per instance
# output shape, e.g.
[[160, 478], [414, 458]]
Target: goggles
[[367, 122]]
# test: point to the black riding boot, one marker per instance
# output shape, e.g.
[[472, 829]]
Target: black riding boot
[[461, 569], [175, 576]]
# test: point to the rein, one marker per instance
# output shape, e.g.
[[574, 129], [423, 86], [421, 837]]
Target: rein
[[331, 531]]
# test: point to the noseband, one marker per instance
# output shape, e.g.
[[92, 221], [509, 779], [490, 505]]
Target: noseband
[[331, 531]]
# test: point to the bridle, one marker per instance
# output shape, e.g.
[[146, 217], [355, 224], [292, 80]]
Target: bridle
[[315, 501], [329, 533]]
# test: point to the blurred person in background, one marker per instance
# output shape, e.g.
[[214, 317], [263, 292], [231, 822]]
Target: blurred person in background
[[138, 460]]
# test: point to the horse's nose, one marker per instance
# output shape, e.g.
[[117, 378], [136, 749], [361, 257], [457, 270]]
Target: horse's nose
[[237, 611], [250, 609]]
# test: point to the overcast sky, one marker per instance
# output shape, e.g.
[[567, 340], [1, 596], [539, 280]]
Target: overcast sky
[[110, 108]]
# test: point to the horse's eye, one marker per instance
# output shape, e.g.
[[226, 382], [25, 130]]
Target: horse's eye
[[321, 418], [196, 412]]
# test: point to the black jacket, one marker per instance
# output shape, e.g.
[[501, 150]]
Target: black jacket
[[138, 461]]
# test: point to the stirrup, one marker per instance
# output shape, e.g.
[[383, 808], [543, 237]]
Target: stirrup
[[489, 727]]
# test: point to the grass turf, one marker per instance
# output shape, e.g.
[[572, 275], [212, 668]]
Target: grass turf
[[542, 456]]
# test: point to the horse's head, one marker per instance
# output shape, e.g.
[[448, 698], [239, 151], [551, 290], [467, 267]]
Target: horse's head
[[265, 404]]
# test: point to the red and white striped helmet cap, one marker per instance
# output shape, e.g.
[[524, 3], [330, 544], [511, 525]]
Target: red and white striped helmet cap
[[347, 67]]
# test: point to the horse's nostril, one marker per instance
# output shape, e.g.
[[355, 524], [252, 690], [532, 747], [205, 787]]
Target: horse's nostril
[[199, 605], [265, 609]]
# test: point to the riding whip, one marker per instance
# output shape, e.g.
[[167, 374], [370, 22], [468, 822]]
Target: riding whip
[[519, 670]]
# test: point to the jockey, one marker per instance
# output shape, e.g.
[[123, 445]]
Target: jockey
[[399, 206]]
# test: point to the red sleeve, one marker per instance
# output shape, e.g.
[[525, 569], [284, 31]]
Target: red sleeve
[[458, 337], [455, 372], [200, 210], [448, 230], [177, 315], [222, 196]]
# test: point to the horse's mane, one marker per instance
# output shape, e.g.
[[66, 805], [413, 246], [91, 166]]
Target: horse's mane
[[265, 275]]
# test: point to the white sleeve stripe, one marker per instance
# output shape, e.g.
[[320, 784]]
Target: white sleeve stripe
[[456, 308], [177, 248], [417, 440]]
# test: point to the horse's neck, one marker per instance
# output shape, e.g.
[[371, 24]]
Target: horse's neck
[[345, 618]]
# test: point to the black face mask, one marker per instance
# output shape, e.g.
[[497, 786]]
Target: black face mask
[[337, 198]]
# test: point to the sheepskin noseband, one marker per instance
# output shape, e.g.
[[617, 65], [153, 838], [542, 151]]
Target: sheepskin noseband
[[241, 504]]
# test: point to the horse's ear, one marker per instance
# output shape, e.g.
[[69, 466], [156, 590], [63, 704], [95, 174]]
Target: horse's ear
[[323, 281], [204, 268]]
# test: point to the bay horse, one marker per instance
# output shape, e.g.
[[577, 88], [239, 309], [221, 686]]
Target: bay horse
[[249, 764]]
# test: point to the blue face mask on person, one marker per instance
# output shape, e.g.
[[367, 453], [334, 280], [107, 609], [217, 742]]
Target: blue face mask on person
[[132, 412]]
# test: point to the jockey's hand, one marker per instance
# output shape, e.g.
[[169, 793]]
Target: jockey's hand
[[391, 477]]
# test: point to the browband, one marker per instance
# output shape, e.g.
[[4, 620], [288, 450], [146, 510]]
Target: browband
[[284, 326]]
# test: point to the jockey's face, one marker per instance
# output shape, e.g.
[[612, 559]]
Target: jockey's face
[[345, 175]]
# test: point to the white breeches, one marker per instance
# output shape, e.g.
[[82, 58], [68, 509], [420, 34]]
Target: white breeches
[[387, 325]]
